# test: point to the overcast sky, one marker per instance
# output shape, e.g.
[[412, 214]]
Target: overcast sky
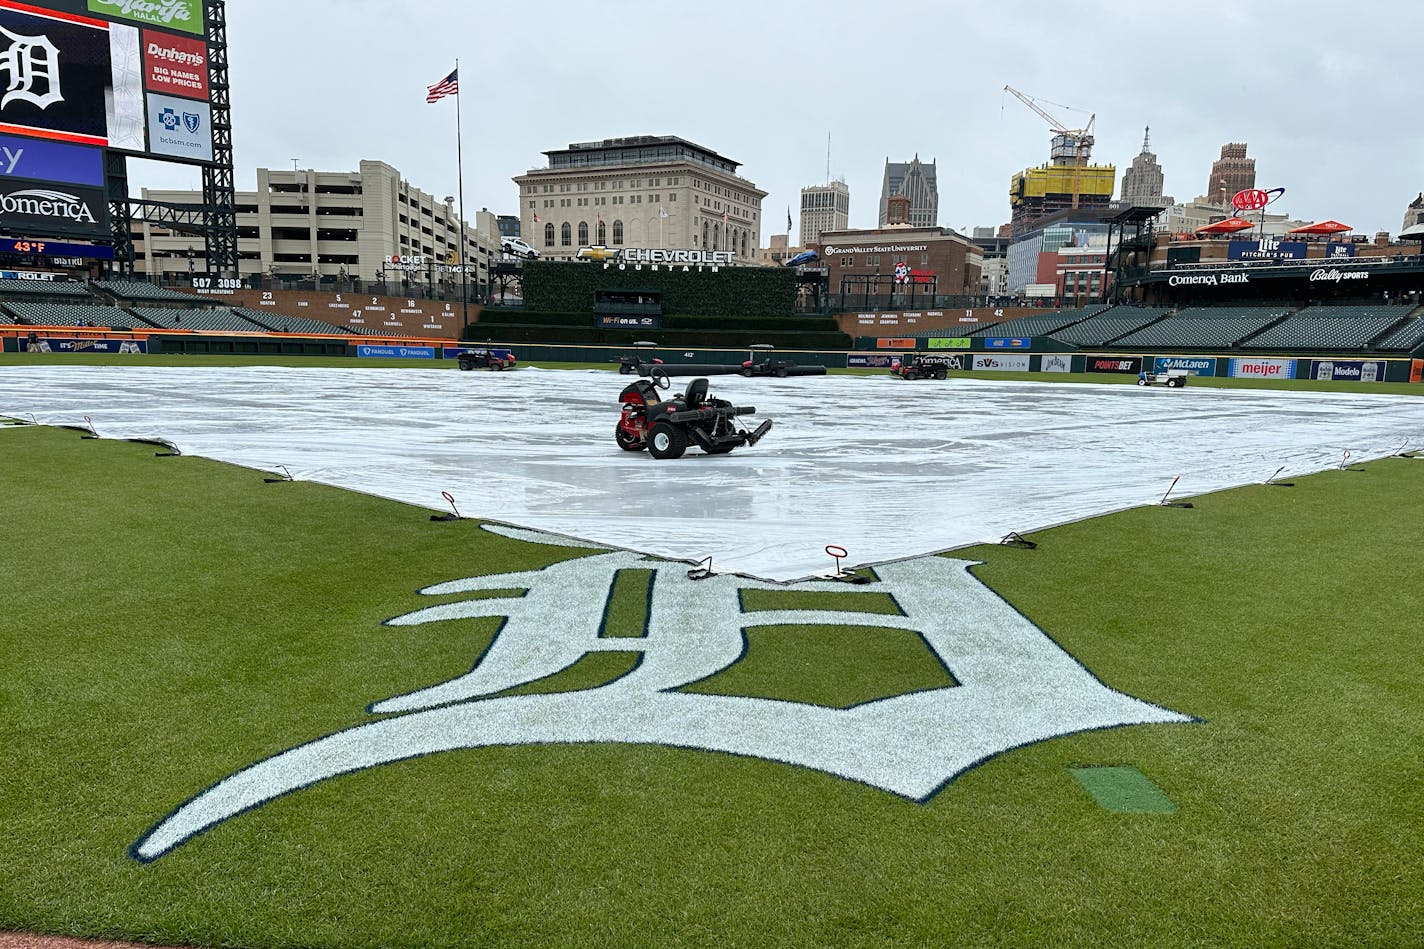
[[1327, 94]]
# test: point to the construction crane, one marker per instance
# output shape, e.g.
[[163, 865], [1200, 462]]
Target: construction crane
[[1070, 146]]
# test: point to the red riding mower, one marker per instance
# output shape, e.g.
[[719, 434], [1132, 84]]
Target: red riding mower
[[667, 428]]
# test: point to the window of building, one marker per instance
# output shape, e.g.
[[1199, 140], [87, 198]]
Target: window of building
[[672, 197], [618, 231], [548, 235], [873, 260], [533, 204], [583, 233], [566, 235], [602, 233], [924, 260]]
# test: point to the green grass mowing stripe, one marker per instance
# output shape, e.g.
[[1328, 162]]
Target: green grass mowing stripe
[[834, 666], [759, 601], [1123, 790], [626, 612]]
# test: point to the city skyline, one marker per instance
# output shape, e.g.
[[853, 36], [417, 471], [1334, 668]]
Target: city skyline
[[1300, 105]]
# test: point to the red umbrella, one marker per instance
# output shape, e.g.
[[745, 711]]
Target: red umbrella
[[1322, 227], [1229, 226]]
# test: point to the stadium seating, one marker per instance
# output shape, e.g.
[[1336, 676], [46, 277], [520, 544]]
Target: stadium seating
[[68, 314], [224, 321], [1039, 325], [278, 323], [1107, 326], [1329, 328], [141, 291], [1406, 338], [1217, 327], [44, 289]]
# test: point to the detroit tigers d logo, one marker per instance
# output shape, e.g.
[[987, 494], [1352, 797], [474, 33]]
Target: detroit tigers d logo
[[1011, 686]]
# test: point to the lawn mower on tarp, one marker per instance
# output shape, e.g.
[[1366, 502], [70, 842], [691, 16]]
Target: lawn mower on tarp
[[667, 427], [494, 359], [780, 368]]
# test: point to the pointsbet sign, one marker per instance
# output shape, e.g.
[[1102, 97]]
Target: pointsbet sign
[[184, 15]]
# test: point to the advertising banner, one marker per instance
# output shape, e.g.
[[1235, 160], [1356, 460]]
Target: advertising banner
[[997, 343], [629, 322], [181, 15], [1416, 370], [1194, 365], [1000, 363], [1267, 248], [1262, 369], [941, 342], [46, 344], [1335, 370], [175, 64], [180, 128], [37, 277], [41, 160], [1130, 365], [897, 343], [1339, 250], [869, 361], [40, 207], [29, 247], [57, 70], [396, 352], [1055, 362]]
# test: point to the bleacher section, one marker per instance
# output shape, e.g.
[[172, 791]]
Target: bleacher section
[[1329, 328], [68, 314], [1216, 327], [1036, 325], [1406, 338], [222, 321], [141, 291], [278, 323], [44, 289], [1107, 326]]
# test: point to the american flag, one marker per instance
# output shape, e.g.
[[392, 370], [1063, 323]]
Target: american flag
[[450, 85]]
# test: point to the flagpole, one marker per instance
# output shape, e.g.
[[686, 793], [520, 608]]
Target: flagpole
[[460, 160]]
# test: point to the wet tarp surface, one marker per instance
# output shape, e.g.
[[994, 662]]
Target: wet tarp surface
[[886, 468]]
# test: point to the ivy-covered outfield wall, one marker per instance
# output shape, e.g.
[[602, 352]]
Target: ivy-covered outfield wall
[[562, 287]]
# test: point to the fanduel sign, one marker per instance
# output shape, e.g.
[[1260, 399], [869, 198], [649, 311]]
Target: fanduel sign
[[184, 15], [648, 255]]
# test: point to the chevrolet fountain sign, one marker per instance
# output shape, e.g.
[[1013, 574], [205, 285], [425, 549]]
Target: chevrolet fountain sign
[[651, 255]]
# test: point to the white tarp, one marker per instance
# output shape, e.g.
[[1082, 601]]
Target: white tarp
[[886, 468]]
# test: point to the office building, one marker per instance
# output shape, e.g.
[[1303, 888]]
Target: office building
[[918, 182], [646, 191], [1230, 173], [1142, 182], [824, 208]]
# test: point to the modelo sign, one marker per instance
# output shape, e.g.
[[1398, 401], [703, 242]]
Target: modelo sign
[[1333, 370], [1001, 363], [1192, 365], [1262, 369], [1127, 365]]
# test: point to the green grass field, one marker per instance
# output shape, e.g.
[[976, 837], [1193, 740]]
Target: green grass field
[[168, 621]]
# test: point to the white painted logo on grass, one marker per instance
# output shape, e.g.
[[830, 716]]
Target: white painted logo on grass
[[1016, 686]]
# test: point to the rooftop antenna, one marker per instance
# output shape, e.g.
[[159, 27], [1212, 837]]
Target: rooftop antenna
[[828, 156]]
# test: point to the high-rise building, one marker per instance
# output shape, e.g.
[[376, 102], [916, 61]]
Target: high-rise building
[[918, 182], [824, 208], [1230, 173], [1142, 183], [1038, 193], [1414, 214], [646, 191]]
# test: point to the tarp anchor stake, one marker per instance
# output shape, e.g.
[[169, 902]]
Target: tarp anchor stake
[[454, 514]]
